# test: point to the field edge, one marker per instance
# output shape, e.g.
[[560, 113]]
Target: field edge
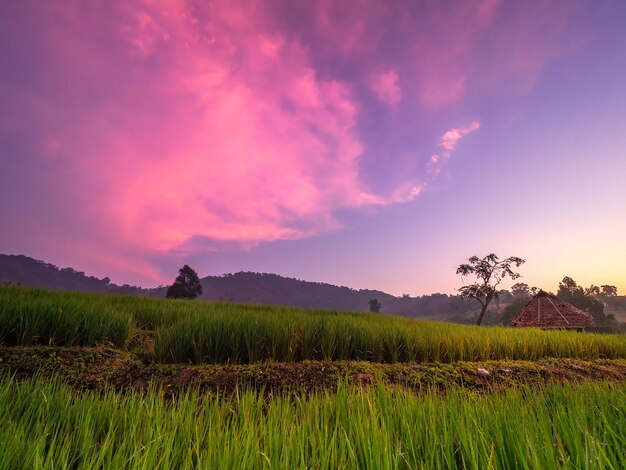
[[102, 367]]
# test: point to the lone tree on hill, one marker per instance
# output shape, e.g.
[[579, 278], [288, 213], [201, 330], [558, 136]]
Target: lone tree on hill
[[375, 305], [186, 286], [489, 271]]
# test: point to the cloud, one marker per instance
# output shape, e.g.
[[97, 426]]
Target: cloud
[[407, 192], [450, 139], [448, 142], [219, 128], [169, 127], [385, 87]]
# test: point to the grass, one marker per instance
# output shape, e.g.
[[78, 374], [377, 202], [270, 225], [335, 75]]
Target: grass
[[46, 426], [59, 410], [239, 336], [202, 332], [34, 316]]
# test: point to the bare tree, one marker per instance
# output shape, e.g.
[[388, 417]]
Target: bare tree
[[489, 272]]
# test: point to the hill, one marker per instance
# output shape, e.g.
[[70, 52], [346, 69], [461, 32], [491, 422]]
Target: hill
[[243, 287], [278, 290], [26, 271]]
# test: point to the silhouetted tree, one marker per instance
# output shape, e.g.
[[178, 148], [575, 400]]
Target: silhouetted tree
[[489, 271], [520, 289], [608, 291], [593, 291], [186, 286], [375, 305]]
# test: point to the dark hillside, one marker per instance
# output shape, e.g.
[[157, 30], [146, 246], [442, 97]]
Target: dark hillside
[[277, 290], [243, 287], [20, 269], [26, 271], [274, 289]]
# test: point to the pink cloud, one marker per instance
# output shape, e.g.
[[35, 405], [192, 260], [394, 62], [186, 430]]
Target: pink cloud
[[407, 192], [450, 139], [385, 87], [221, 128], [448, 142], [170, 122]]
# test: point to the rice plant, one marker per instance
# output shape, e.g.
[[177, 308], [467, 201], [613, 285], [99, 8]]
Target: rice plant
[[46, 426], [204, 332], [34, 316], [238, 335]]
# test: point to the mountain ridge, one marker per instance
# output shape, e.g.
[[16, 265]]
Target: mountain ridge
[[241, 287]]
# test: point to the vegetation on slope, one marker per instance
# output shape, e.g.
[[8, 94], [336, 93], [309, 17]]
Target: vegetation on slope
[[231, 333]]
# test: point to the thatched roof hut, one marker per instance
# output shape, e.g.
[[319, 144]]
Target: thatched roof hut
[[548, 311]]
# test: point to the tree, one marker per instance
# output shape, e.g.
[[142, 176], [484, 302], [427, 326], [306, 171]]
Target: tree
[[609, 291], [457, 305], [375, 305], [584, 299], [593, 291], [489, 272], [520, 289], [505, 296], [186, 286], [512, 310]]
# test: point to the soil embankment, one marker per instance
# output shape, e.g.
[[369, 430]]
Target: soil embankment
[[95, 368]]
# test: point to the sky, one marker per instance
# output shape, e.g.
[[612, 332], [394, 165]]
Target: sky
[[361, 143]]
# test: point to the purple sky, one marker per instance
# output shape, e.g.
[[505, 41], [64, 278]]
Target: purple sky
[[363, 143]]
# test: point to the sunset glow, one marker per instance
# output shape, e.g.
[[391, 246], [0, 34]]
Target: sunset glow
[[362, 143]]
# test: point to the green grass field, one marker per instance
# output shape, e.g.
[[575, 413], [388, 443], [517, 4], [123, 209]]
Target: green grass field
[[46, 426], [202, 332], [136, 399]]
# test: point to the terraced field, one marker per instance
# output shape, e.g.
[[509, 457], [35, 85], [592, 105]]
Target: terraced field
[[91, 381], [216, 333]]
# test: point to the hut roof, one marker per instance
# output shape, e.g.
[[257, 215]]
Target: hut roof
[[548, 311]]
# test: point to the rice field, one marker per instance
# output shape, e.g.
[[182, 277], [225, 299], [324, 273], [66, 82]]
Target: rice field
[[46, 426], [386, 425], [203, 332], [35, 316], [245, 337]]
